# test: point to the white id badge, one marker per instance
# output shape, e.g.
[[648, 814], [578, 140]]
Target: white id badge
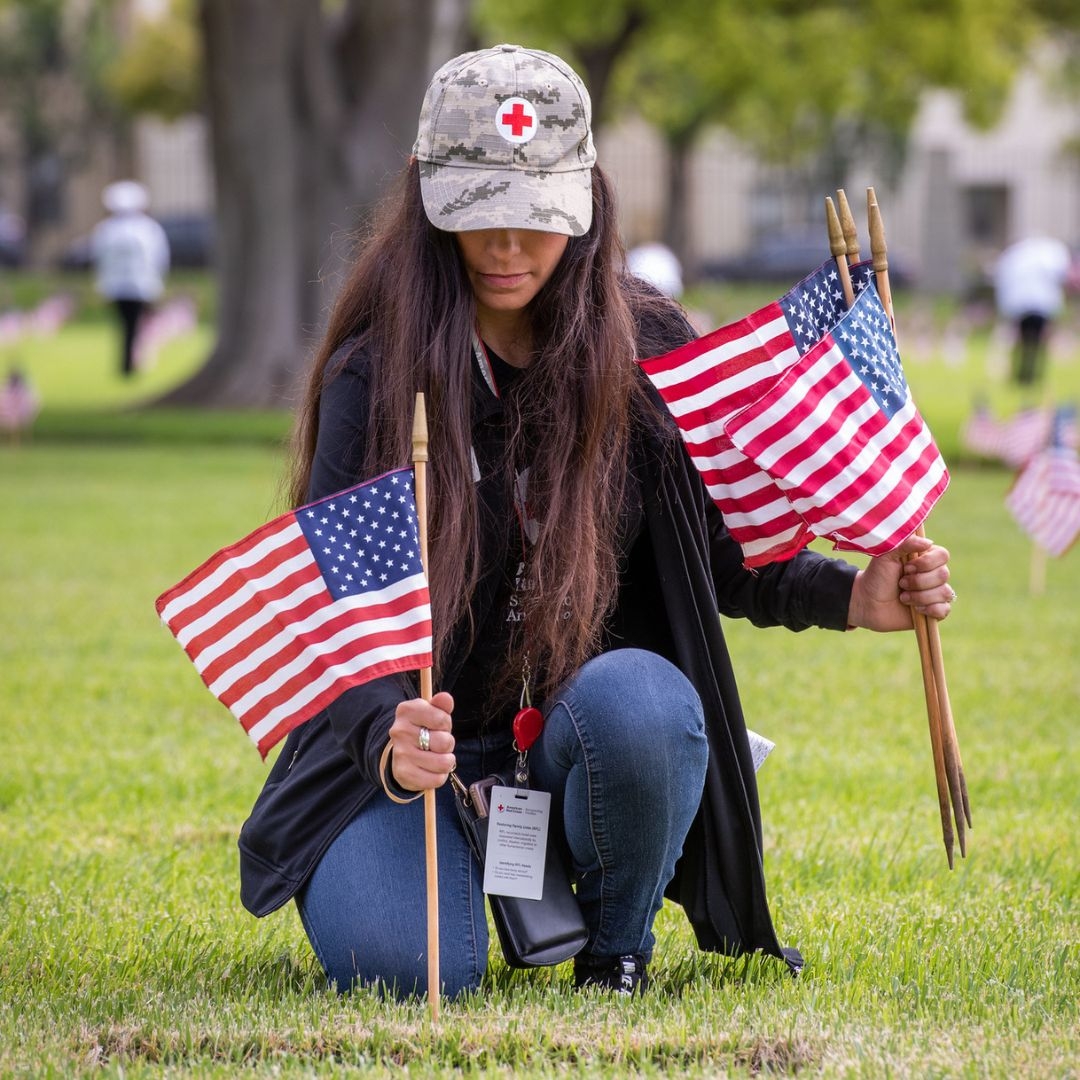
[[516, 842]]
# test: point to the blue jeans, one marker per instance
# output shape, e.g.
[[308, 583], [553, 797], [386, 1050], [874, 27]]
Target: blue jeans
[[623, 753]]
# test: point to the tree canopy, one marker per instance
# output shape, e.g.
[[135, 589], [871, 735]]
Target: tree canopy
[[313, 104]]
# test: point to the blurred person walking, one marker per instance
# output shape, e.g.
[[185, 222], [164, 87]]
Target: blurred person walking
[[1030, 278], [131, 256]]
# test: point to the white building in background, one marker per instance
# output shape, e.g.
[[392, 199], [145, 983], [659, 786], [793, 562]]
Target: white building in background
[[173, 160], [962, 195]]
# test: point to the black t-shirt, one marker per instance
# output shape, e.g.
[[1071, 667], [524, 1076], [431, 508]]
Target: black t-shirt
[[476, 704]]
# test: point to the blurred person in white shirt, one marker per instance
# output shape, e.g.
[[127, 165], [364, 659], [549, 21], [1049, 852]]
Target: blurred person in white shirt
[[1030, 278], [131, 256]]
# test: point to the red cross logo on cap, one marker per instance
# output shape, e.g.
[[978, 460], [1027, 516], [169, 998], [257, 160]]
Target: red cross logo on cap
[[515, 120]]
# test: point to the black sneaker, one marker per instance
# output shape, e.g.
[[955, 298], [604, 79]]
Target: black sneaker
[[625, 975]]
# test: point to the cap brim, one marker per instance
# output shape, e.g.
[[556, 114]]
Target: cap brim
[[457, 199]]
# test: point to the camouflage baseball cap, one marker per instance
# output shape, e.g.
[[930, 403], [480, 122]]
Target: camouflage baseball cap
[[505, 142]]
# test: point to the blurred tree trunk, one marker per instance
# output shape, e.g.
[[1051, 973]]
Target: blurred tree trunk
[[310, 113], [676, 228]]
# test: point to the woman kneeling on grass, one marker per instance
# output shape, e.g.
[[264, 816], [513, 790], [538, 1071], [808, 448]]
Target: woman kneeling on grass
[[573, 547]]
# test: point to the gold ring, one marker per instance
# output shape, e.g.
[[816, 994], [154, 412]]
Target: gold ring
[[424, 739]]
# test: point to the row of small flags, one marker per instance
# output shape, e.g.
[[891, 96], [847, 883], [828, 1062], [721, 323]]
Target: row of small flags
[[171, 320], [19, 401], [1041, 444], [1016, 440], [798, 416], [1045, 497], [44, 320]]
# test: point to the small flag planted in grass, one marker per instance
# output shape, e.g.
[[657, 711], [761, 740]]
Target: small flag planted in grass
[[1045, 497], [314, 602]]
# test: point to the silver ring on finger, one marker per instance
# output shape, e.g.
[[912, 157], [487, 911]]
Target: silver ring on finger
[[424, 739], [952, 599]]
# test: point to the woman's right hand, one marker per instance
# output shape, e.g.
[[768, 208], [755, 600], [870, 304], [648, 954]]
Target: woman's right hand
[[414, 768]]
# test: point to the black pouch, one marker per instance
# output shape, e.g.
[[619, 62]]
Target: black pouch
[[532, 933]]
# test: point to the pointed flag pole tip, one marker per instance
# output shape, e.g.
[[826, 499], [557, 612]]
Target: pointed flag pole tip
[[847, 224], [838, 250]]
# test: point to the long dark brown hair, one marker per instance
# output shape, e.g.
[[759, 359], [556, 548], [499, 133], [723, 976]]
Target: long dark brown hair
[[408, 302]]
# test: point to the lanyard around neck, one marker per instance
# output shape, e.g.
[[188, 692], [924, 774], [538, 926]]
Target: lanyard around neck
[[483, 362]]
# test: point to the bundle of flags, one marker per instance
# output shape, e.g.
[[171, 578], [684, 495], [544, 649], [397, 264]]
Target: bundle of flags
[[316, 601], [801, 422], [1045, 496]]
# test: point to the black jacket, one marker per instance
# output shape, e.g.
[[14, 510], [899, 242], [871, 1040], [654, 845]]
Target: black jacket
[[683, 569]]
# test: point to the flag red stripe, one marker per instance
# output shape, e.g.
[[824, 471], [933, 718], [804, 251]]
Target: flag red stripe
[[314, 640], [320, 663], [308, 607], [232, 576], [233, 553], [317, 704]]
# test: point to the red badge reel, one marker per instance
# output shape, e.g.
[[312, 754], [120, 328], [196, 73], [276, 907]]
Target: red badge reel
[[527, 725]]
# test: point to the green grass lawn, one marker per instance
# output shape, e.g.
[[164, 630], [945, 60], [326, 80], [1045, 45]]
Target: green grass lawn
[[124, 950]]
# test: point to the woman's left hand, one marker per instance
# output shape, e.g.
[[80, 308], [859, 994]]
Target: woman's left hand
[[889, 587]]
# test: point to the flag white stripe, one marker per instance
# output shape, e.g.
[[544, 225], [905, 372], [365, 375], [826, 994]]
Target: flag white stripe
[[708, 360], [193, 594], [311, 690], [289, 633], [311, 653], [244, 589], [771, 542]]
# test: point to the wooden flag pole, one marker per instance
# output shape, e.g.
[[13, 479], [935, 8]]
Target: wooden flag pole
[[847, 225], [954, 769], [840, 246], [839, 249], [431, 850], [1037, 573]]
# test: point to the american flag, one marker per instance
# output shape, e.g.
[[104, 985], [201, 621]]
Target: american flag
[[840, 434], [707, 381], [1045, 497], [1024, 435], [982, 433], [318, 600], [1017, 440]]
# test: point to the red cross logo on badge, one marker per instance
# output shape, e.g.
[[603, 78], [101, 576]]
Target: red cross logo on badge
[[516, 120]]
